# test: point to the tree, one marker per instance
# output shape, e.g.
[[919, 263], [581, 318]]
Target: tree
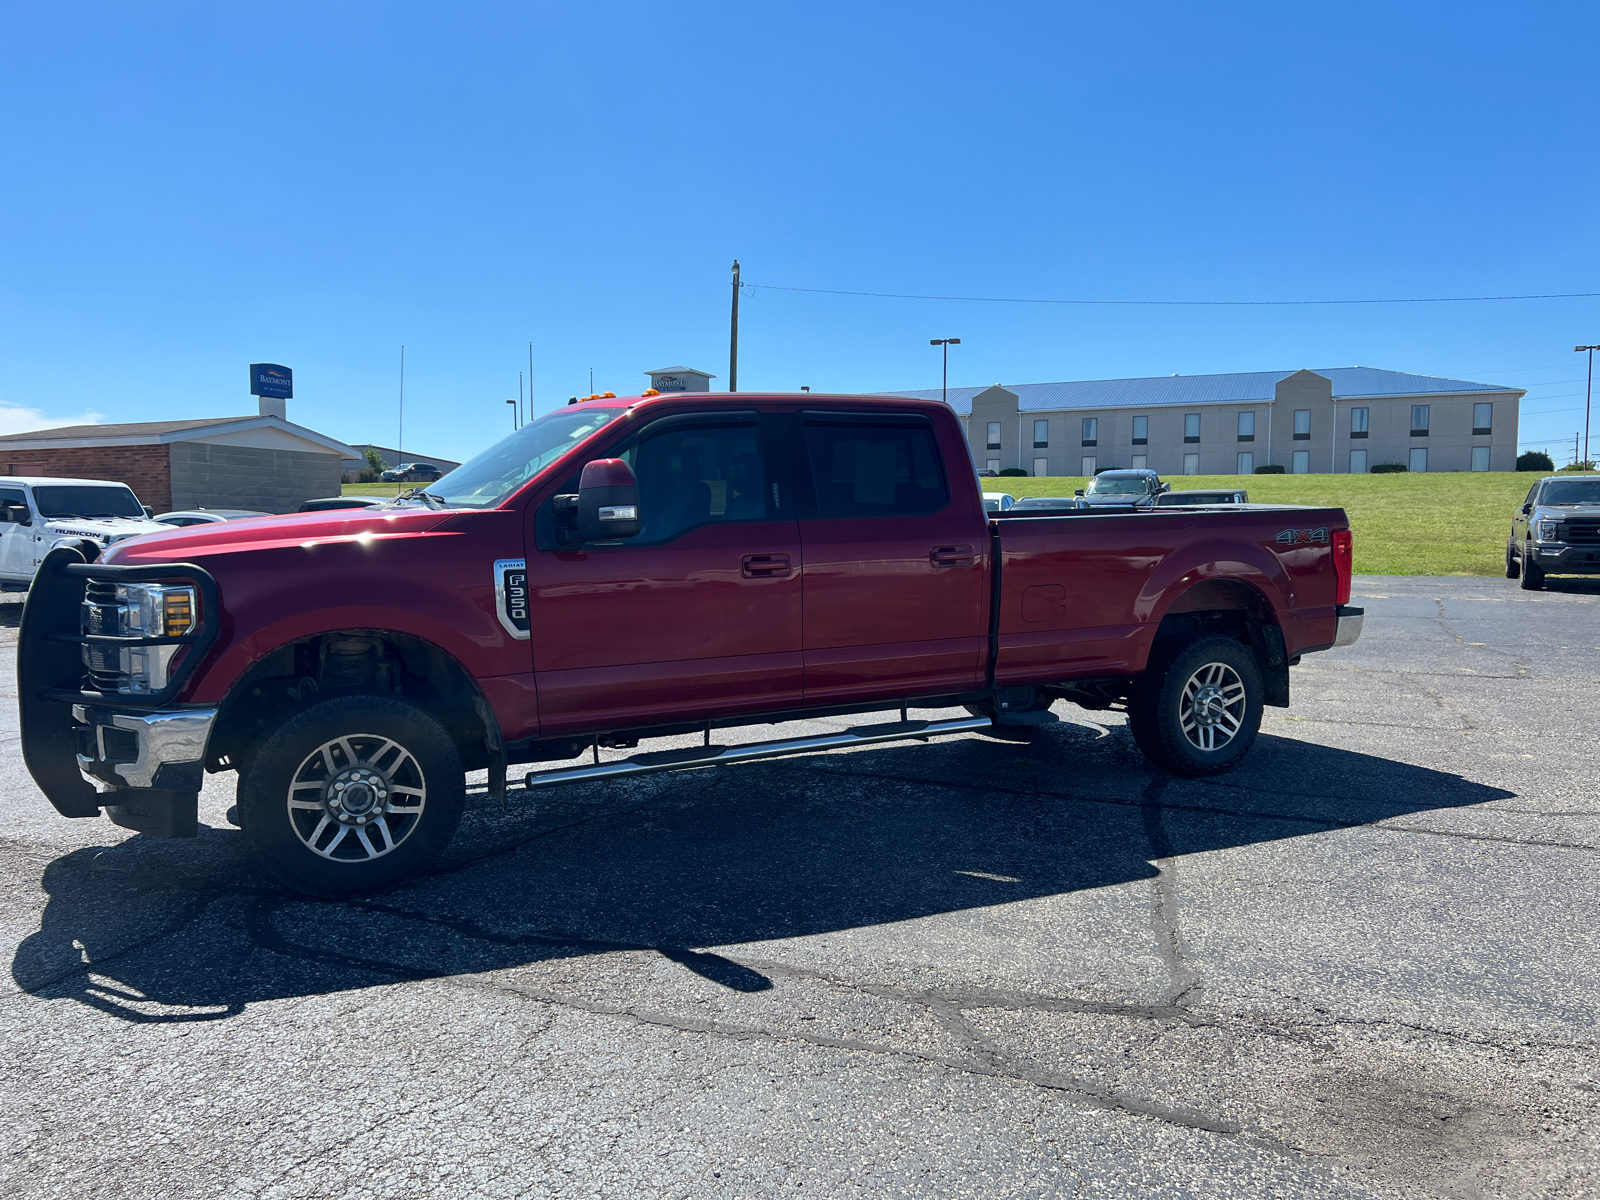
[[1535, 460]]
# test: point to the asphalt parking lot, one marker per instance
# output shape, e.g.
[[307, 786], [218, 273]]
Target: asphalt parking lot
[[1363, 964]]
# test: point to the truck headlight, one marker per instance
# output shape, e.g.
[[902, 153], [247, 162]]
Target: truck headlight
[[1549, 531], [151, 610]]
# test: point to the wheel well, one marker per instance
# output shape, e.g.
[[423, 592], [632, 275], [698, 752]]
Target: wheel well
[[1228, 608], [354, 660]]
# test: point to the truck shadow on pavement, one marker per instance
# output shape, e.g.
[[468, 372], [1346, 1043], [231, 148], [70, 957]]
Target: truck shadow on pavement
[[152, 930]]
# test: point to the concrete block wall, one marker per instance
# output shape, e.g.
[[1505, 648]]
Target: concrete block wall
[[146, 469], [275, 481]]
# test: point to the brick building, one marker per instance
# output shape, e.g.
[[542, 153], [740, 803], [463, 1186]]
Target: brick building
[[263, 462]]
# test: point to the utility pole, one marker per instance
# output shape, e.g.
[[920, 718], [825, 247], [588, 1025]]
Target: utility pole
[[733, 334], [1588, 397], [530, 381], [400, 450]]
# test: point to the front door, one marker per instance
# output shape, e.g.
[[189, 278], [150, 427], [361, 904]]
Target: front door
[[895, 558], [16, 541], [697, 616]]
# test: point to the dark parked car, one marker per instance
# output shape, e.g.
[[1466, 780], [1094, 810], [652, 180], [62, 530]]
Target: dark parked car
[[412, 473], [1225, 496], [1134, 485], [1556, 531], [207, 516], [333, 502]]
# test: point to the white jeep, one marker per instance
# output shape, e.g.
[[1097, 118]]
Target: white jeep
[[38, 513]]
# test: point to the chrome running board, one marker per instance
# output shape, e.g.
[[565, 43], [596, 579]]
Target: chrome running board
[[716, 756]]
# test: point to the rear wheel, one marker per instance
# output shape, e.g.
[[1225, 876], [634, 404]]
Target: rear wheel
[[352, 794], [1513, 568], [1200, 712], [1532, 573]]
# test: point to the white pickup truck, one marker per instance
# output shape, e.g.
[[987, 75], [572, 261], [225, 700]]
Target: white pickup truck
[[37, 513]]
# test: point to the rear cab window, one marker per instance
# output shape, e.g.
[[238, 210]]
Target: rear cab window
[[870, 465]]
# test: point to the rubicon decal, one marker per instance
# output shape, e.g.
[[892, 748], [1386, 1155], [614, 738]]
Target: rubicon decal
[[511, 595], [1301, 537]]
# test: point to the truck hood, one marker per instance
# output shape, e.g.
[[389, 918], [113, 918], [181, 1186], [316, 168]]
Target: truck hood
[[1557, 512], [262, 533], [1143, 498], [105, 530]]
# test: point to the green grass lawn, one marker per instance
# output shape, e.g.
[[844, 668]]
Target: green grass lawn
[[1404, 524], [1446, 524]]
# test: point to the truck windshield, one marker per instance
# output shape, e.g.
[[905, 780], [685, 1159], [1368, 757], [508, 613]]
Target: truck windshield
[[81, 500], [507, 465], [1571, 491], [1101, 486]]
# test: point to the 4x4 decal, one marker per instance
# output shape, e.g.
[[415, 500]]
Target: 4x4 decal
[[1301, 537]]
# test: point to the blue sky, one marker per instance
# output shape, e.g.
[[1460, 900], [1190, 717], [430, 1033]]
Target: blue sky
[[190, 188]]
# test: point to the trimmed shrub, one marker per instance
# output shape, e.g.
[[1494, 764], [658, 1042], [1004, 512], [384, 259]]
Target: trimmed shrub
[[1388, 468], [1535, 460], [1013, 472], [1272, 469]]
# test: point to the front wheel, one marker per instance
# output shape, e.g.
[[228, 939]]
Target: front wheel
[[1532, 573], [352, 794], [1200, 714]]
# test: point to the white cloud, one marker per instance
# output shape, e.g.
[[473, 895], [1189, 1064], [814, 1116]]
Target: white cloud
[[15, 419]]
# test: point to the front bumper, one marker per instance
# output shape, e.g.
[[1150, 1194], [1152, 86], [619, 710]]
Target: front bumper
[[1349, 628], [1575, 560], [165, 750]]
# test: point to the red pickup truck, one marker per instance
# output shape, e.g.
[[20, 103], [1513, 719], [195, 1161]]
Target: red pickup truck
[[623, 569]]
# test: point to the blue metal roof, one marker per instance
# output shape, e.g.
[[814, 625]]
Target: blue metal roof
[[1240, 387]]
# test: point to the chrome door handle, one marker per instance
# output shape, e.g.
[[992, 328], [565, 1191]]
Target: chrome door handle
[[764, 566], [951, 556]]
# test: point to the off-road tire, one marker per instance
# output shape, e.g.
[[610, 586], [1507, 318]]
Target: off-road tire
[[1513, 567], [410, 797], [1159, 704], [1532, 573]]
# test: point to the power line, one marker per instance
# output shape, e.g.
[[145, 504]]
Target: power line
[[773, 287]]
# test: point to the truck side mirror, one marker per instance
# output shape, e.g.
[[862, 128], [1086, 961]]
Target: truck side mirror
[[608, 501], [149, 513], [15, 514], [1526, 509], [1079, 492]]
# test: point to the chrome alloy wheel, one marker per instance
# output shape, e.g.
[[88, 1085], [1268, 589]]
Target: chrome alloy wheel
[[357, 797], [1211, 709]]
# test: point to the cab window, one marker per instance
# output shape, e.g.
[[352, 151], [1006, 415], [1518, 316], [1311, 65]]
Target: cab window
[[859, 469], [690, 476]]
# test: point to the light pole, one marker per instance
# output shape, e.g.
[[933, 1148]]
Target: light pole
[[514, 408], [946, 343], [1588, 396]]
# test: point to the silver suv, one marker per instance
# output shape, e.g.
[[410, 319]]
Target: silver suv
[[1556, 531]]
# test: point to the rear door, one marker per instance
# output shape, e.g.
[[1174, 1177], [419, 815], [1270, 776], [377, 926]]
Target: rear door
[[698, 615], [895, 557]]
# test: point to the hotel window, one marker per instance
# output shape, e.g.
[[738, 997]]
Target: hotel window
[[1480, 458], [1191, 464], [1302, 462], [1088, 466], [1140, 462], [1041, 435], [1247, 427], [1041, 466], [1419, 420], [1358, 462], [1482, 420], [1141, 431], [1302, 424], [1091, 431], [1419, 459], [1358, 422], [1247, 462], [1191, 427], [994, 435]]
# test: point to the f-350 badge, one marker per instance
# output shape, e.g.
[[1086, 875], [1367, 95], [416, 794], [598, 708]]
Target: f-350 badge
[[1301, 537], [511, 595]]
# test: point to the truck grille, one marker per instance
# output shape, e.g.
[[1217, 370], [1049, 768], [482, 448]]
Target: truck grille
[[1581, 533], [102, 615]]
